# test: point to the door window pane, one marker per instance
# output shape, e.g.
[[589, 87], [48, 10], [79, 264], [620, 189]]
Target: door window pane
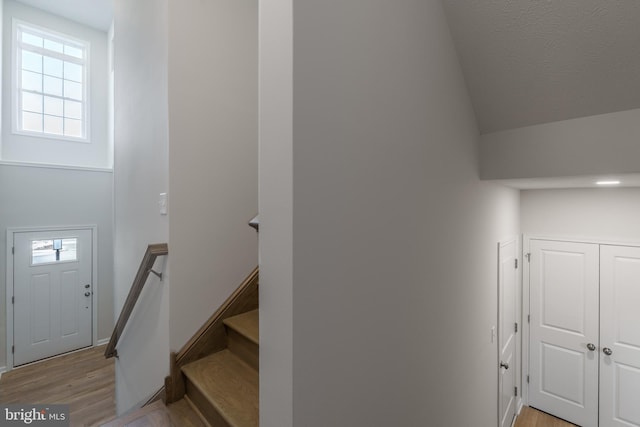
[[54, 250]]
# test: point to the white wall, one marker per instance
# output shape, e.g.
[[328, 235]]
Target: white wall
[[22, 148], [604, 144], [276, 213], [40, 197], [141, 173], [599, 213], [389, 258], [213, 152]]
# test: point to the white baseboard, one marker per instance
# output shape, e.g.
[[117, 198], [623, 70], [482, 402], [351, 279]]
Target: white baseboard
[[3, 369], [103, 341]]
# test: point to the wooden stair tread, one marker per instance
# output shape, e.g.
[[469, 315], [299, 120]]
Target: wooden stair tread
[[229, 385], [246, 324], [184, 415]]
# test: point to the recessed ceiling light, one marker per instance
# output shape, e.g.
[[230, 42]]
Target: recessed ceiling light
[[608, 182]]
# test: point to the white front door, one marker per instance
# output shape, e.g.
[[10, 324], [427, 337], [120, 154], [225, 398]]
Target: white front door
[[507, 302], [564, 325], [52, 288], [620, 336]]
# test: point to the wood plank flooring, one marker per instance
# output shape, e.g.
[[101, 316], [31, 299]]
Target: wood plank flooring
[[84, 380], [530, 417]]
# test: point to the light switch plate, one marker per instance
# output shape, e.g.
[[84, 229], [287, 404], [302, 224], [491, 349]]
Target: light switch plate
[[162, 202]]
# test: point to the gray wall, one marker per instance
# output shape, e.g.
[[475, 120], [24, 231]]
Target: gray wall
[[599, 213], [603, 144], [213, 155], [141, 174], [40, 197], [382, 286]]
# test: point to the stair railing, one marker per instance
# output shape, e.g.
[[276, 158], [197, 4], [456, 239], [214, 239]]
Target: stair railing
[[146, 266], [255, 223]]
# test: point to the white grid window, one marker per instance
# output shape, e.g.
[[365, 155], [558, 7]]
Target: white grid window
[[51, 84]]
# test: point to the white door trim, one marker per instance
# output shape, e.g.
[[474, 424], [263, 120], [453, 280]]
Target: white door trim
[[526, 240], [10, 274]]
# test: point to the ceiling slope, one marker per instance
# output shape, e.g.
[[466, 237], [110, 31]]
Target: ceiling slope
[[528, 62]]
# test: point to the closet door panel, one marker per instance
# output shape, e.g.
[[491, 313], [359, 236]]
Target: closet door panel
[[619, 336], [564, 330]]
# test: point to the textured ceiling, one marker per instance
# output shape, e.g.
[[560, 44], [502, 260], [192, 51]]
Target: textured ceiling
[[528, 62], [93, 13]]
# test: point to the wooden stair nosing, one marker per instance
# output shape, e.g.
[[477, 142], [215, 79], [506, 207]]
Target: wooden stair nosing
[[184, 414], [244, 348], [246, 324], [223, 384]]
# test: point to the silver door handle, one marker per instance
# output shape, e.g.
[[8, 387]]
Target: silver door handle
[[607, 351], [504, 365], [591, 347], [87, 294]]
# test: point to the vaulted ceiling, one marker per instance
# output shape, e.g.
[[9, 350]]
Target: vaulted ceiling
[[528, 62], [525, 62]]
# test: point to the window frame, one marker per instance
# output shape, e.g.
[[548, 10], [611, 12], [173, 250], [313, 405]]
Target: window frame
[[16, 81]]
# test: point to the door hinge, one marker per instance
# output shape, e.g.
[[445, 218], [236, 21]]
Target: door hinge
[[516, 327], [13, 349], [515, 391], [13, 300], [528, 318], [528, 255], [516, 262], [13, 250], [527, 379]]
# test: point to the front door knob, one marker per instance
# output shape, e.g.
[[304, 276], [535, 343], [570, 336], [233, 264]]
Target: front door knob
[[607, 351], [504, 365], [86, 294], [591, 347]]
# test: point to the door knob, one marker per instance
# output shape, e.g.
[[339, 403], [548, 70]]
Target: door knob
[[86, 294], [87, 286], [591, 347], [504, 365], [607, 351]]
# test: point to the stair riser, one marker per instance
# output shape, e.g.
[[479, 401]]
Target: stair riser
[[205, 407], [245, 349]]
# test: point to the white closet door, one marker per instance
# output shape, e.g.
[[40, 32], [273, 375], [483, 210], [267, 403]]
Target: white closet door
[[564, 325], [620, 336]]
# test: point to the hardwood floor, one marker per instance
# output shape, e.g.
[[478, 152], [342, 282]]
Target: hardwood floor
[[530, 417], [84, 380]]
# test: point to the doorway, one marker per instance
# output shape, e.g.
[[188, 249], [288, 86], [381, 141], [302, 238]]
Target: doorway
[[50, 292]]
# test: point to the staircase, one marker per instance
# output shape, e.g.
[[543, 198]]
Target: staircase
[[221, 389]]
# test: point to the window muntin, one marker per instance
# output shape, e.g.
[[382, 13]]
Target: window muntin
[[51, 84]]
